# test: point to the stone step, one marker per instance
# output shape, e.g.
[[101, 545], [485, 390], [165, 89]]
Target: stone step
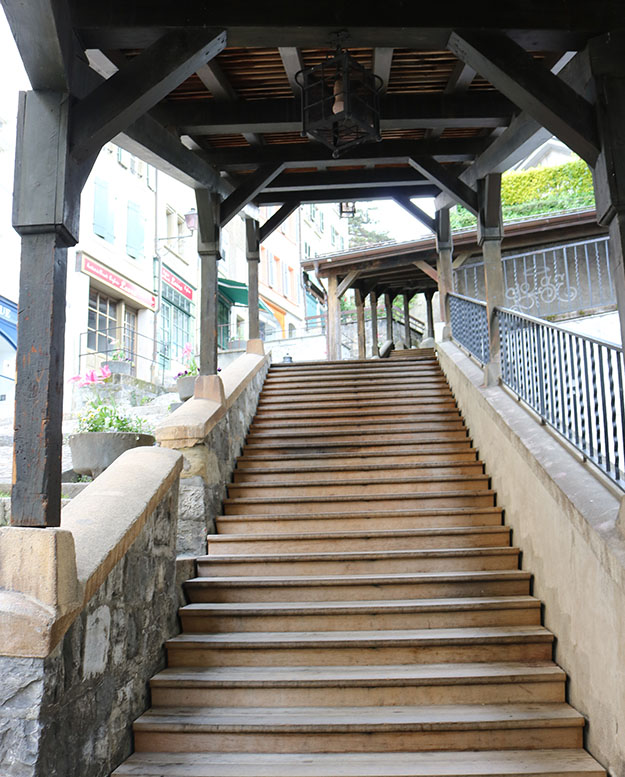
[[298, 471], [361, 616], [435, 454], [429, 441], [389, 520], [359, 563], [485, 763], [363, 729], [378, 484], [357, 502], [340, 588], [347, 686], [432, 454], [358, 418], [465, 537]]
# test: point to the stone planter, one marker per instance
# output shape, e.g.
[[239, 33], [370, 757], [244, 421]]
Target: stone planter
[[185, 386], [121, 367], [93, 452]]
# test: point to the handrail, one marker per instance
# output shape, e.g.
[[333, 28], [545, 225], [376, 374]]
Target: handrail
[[469, 325]]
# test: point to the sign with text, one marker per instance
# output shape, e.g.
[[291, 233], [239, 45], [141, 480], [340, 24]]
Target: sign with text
[[171, 279], [118, 283]]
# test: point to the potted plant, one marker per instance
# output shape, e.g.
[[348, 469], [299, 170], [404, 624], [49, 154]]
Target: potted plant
[[103, 432], [185, 380], [118, 362]]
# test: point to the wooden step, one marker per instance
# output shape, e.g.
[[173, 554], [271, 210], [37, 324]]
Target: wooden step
[[367, 520], [312, 405], [347, 378], [357, 502], [485, 763], [308, 398], [339, 588], [346, 686], [427, 430], [453, 452], [311, 485], [355, 410], [348, 471], [359, 563], [428, 441], [356, 418], [464, 537], [362, 729], [361, 616]]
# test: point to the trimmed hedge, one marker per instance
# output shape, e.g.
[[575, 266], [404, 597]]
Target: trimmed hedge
[[538, 191]]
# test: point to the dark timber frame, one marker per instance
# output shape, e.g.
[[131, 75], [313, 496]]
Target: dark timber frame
[[187, 98]]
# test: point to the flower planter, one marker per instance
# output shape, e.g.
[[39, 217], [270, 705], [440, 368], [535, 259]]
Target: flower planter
[[185, 385], [121, 367], [93, 452]]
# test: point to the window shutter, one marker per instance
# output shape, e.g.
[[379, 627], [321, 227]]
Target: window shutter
[[134, 231], [103, 219]]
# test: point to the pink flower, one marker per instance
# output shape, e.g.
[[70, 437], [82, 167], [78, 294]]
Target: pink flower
[[105, 372], [187, 351]]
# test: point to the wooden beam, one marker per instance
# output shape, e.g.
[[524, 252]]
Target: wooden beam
[[292, 61], [427, 269], [280, 216], [144, 81], [398, 111], [340, 179], [373, 305], [524, 135], [209, 239], [252, 250], [382, 61], [458, 83], [247, 191], [362, 194], [44, 38], [347, 282], [447, 181], [361, 332], [414, 210], [334, 320], [532, 87]]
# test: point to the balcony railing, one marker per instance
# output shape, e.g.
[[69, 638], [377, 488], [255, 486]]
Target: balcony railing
[[469, 325], [573, 382]]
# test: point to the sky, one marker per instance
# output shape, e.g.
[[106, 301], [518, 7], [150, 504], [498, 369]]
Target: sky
[[400, 225]]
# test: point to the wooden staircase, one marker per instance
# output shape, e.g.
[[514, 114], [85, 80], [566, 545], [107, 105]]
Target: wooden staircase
[[361, 612]]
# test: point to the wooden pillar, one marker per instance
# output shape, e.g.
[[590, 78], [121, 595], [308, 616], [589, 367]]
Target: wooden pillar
[[373, 304], [444, 248], [253, 259], [388, 307], [46, 207], [429, 296], [490, 233], [360, 324], [407, 336], [334, 320], [608, 67], [208, 246]]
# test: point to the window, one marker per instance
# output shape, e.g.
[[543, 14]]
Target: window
[[175, 324], [307, 251], [285, 280], [271, 266], [123, 157], [321, 221], [334, 236], [175, 231], [134, 231], [103, 215], [292, 330], [151, 178], [102, 323]]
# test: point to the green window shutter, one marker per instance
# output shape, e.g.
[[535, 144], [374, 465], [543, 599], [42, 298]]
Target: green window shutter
[[134, 231], [103, 218]]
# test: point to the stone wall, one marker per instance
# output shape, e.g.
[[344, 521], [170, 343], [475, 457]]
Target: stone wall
[[565, 519], [208, 469], [70, 714]]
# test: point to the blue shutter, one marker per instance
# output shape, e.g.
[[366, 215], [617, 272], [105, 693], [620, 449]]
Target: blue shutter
[[103, 219], [134, 231]]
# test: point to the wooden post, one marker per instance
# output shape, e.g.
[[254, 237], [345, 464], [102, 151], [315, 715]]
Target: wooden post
[[608, 68], [490, 233], [373, 304], [360, 324], [208, 246], [253, 259], [46, 207], [429, 296], [444, 249], [407, 336], [388, 307], [334, 319]]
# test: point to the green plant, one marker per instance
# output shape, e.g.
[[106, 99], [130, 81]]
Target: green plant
[[99, 417], [192, 367]]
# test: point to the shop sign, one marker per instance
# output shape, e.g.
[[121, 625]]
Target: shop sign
[[177, 283], [118, 283]]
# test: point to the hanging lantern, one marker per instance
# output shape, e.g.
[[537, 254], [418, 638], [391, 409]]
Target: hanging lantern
[[340, 103], [347, 210]]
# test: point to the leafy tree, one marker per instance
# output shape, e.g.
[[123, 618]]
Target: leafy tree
[[365, 230], [536, 192]]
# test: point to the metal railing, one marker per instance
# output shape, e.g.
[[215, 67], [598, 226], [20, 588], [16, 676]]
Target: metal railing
[[573, 382], [146, 357], [551, 281], [469, 325]]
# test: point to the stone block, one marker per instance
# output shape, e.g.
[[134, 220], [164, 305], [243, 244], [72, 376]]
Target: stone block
[[97, 642]]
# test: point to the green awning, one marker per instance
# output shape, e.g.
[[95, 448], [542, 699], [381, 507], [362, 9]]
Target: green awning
[[236, 292]]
